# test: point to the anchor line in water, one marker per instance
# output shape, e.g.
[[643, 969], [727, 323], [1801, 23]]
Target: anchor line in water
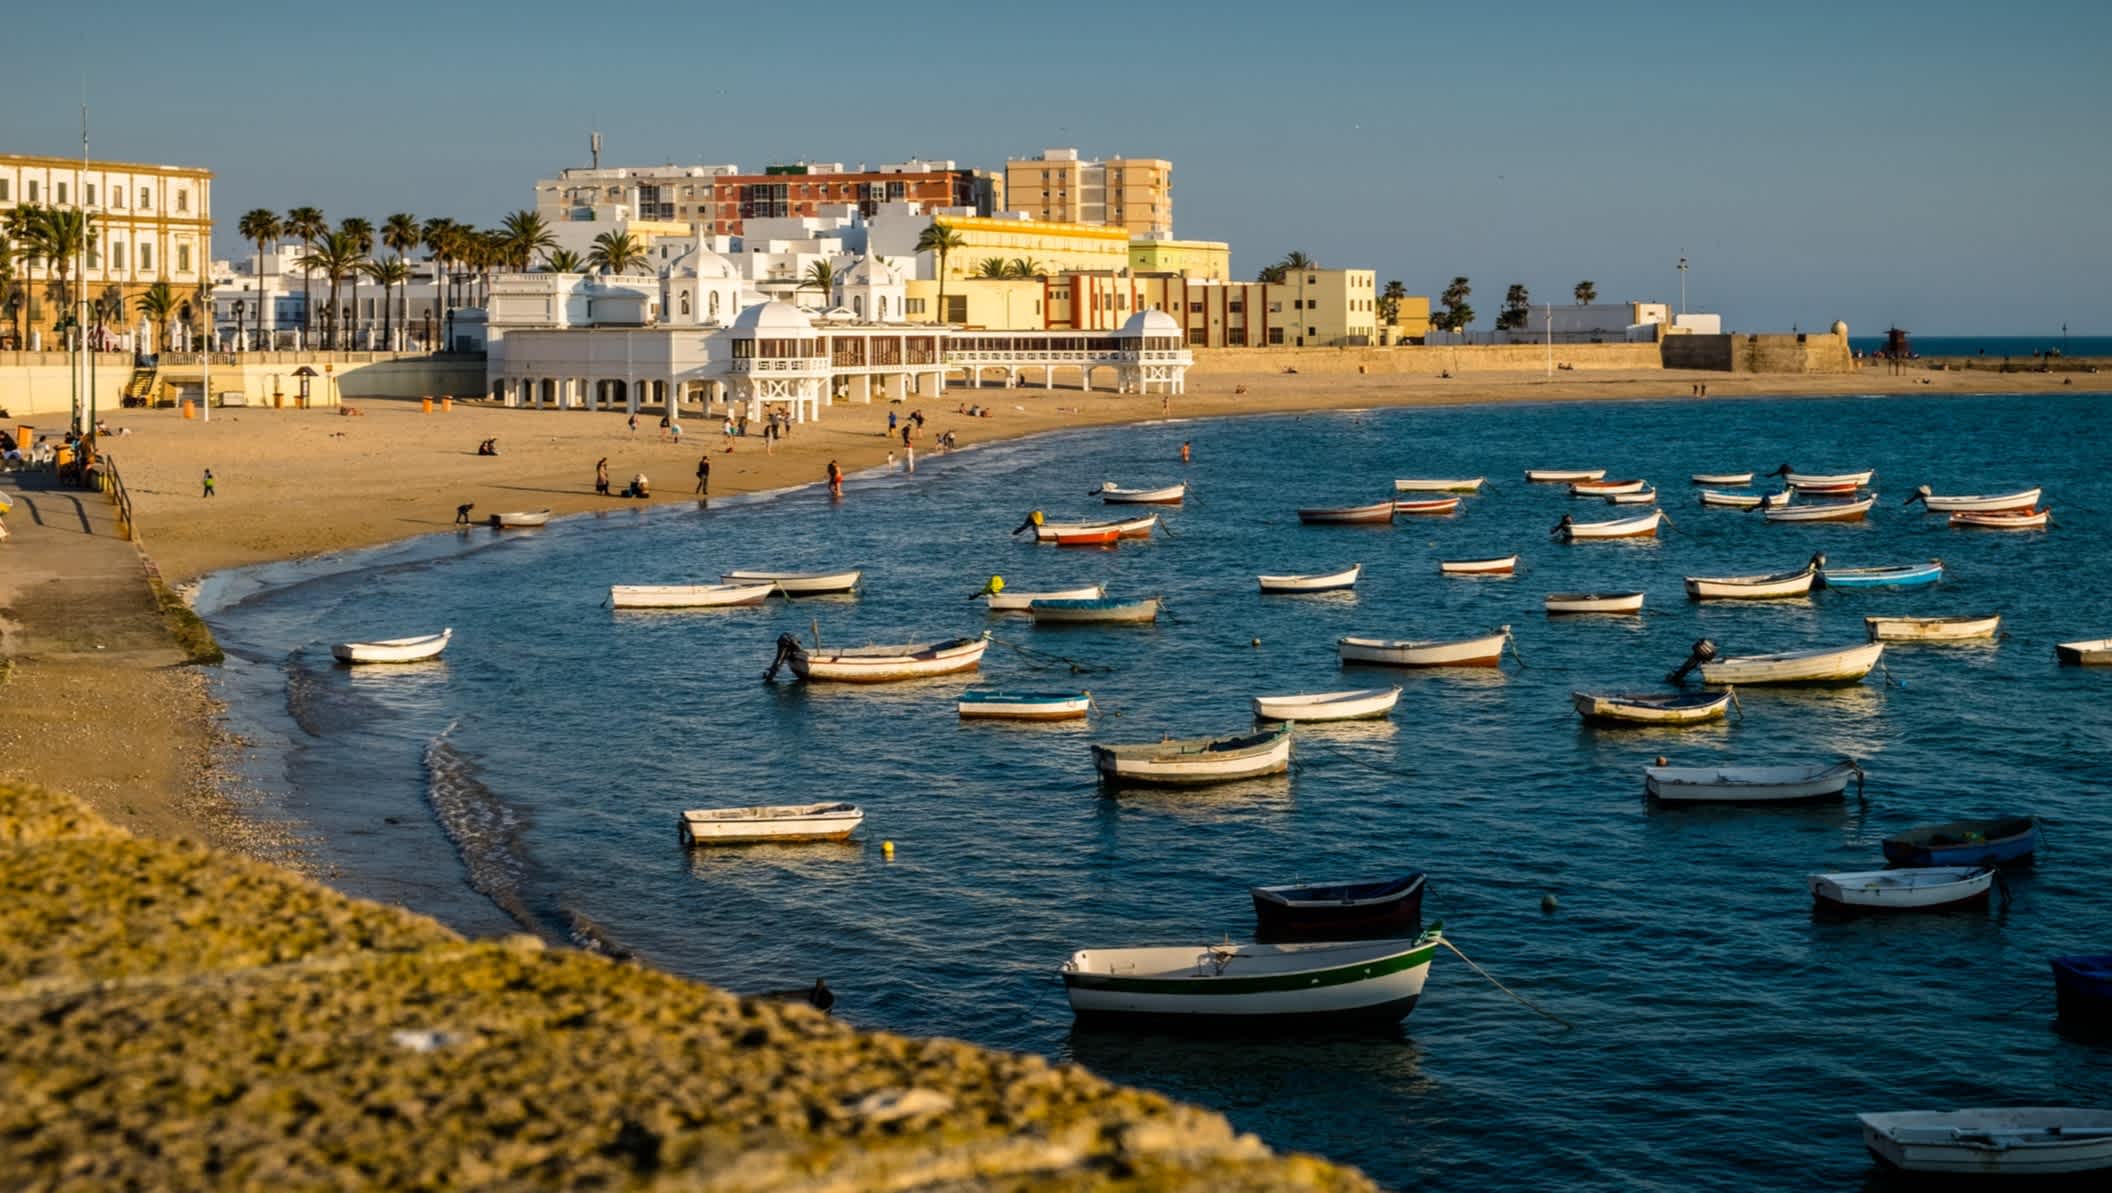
[[1042, 661], [1329, 748], [1527, 1003]]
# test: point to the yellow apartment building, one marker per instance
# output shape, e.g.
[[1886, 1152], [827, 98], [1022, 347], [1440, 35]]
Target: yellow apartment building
[[1131, 193], [1188, 258], [151, 223], [1055, 247]]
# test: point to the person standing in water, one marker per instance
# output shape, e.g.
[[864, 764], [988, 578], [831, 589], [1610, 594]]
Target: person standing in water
[[704, 476], [835, 480], [1184, 451], [601, 476]]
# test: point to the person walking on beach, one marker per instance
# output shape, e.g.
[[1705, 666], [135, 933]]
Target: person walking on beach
[[633, 420], [835, 480], [601, 476], [208, 483], [890, 424], [704, 475]]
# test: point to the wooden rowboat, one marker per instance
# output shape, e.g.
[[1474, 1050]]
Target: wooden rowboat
[[2023, 499], [1314, 582], [1650, 708], [793, 584], [1441, 505], [1897, 576], [2035, 518], [2088, 653], [1317, 984], [1113, 494], [1381, 511], [994, 704], [394, 650], [1749, 784], [687, 596], [883, 664], [1727, 479], [1095, 610], [1639, 497], [1130, 528], [1388, 909], [1843, 665], [1106, 536], [1931, 629], [1605, 488], [1485, 651], [1498, 565], [770, 823], [1989, 842], [1356, 704], [1930, 888], [1471, 484], [1832, 511], [1820, 482], [1017, 602], [1995, 1143], [1571, 530], [520, 519], [1745, 501], [1594, 602], [1779, 586], [1563, 476], [1196, 761]]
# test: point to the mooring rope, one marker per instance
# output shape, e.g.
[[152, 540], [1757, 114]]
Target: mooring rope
[[1043, 661], [1528, 1003], [1313, 743]]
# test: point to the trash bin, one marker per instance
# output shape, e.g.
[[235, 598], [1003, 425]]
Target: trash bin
[[446, 405], [189, 411], [278, 400], [425, 405]]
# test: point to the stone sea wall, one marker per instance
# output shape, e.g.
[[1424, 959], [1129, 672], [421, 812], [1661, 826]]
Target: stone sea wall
[[1417, 360]]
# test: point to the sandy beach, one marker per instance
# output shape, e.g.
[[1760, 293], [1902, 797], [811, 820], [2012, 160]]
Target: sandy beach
[[297, 483]]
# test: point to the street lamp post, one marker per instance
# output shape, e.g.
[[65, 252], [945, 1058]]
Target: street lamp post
[[1683, 284]]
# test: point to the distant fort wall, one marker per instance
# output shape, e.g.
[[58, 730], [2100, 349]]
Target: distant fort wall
[[1809, 352], [1419, 360]]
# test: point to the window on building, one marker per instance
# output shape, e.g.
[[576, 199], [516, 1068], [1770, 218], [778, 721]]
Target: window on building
[[914, 306], [1275, 335], [146, 199], [117, 254], [956, 308], [62, 192], [32, 190], [1238, 306], [183, 258], [1311, 280], [1195, 307], [88, 194], [95, 256], [1275, 308], [3, 190], [1197, 335], [146, 257]]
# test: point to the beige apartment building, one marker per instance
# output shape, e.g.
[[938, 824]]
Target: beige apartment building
[[1320, 308], [152, 224], [1131, 193]]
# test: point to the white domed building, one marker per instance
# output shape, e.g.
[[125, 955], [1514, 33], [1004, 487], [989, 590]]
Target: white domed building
[[1154, 355], [872, 289], [703, 289]]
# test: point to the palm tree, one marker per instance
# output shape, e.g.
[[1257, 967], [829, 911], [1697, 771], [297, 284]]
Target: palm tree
[[1023, 267], [159, 305], [260, 226], [60, 236], [1390, 302], [386, 274], [527, 234], [615, 252], [305, 224], [336, 256], [821, 276], [942, 240], [1294, 261], [1516, 304], [1273, 274], [362, 234], [19, 244], [1586, 293], [439, 234], [109, 308], [565, 261], [10, 292], [400, 234], [990, 267], [1458, 315]]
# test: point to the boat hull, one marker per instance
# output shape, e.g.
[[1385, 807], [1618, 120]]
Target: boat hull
[[1017, 602], [394, 650], [520, 519], [1983, 504], [1602, 488], [1196, 765], [771, 825], [799, 583], [2029, 519], [1931, 629], [1623, 528], [1485, 651], [1500, 566], [1746, 785], [1349, 515], [1729, 480], [1965, 843], [1744, 501], [2085, 654], [1416, 508], [687, 596], [1098, 611], [1563, 476], [2082, 994], [1884, 892], [1318, 582], [1364, 704], [1378, 991], [1440, 485], [1903, 576], [1129, 528], [1993, 1142], [852, 667], [1565, 603], [1786, 586], [1340, 911], [1024, 706], [1643, 709], [1168, 495], [1843, 511], [1814, 667]]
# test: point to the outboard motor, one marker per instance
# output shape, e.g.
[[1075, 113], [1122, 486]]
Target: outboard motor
[[788, 648], [1034, 518], [1920, 493], [1818, 565], [1703, 651], [1562, 527]]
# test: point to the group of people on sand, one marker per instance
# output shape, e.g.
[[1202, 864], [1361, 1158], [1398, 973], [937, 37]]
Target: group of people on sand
[[639, 486]]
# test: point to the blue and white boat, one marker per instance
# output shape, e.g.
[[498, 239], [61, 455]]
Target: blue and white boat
[[1901, 576], [994, 704], [1989, 842]]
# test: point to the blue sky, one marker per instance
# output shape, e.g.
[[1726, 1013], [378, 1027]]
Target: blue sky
[[1941, 165]]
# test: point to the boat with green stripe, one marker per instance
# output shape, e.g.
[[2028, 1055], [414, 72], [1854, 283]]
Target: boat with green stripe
[[1321, 984]]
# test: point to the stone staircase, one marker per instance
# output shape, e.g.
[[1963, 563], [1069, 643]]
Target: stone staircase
[[141, 388]]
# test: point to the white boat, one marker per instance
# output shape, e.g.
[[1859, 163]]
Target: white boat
[[887, 664], [2088, 652], [1314, 582], [1594, 602], [1426, 507], [1995, 1142], [1745, 501], [1931, 629], [1826, 665], [770, 822], [1822, 482], [1830, 511], [1356, 704], [799, 583], [1097, 611], [1639, 497], [1470, 484], [1651, 708], [1114, 494], [1017, 601], [1571, 530], [1727, 479], [394, 650], [1561, 476], [1749, 784], [994, 704], [1605, 488], [687, 596], [1775, 587], [1320, 982], [1347, 515], [1921, 888], [1485, 651], [1499, 565], [2023, 499], [2035, 518], [516, 519], [1128, 528], [1195, 761]]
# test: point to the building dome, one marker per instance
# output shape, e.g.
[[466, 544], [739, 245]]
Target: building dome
[[700, 262], [872, 271], [1149, 323], [1840, 328], [773, 319]]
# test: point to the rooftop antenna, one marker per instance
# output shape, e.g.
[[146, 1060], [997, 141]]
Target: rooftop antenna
[[594, 148]]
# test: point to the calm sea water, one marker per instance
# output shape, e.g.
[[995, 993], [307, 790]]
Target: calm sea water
[[1723, 1038], [2016, 347]]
